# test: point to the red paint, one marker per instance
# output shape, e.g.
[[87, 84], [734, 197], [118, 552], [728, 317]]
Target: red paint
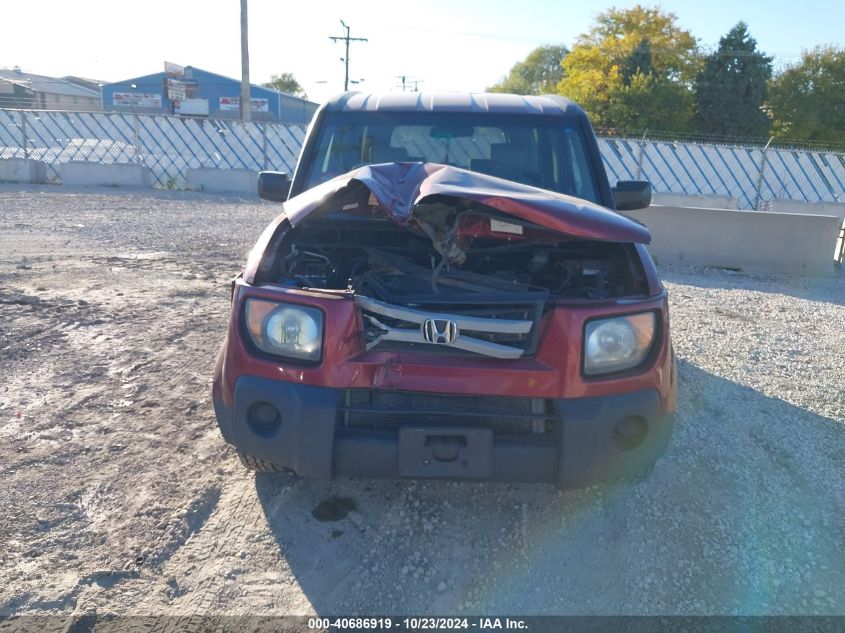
[[554, 372]]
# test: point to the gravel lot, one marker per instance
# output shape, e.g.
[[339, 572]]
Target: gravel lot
[[119, 496]]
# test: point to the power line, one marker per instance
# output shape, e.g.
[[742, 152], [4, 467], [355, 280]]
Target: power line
[[345, 59]]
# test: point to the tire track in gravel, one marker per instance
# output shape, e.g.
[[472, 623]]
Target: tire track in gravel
[[206, 575], [121, 383]]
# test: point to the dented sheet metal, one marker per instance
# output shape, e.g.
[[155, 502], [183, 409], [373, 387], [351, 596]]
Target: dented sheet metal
[[400, 187]]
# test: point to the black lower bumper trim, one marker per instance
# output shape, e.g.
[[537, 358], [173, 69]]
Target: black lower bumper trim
[[583, 447]]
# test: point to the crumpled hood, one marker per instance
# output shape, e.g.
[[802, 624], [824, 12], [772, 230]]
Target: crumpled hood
[[399, 187]]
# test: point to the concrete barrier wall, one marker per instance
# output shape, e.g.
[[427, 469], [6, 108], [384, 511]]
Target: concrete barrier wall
[[748, 240], [22, 170], [684, 200], [812, 208], [234, 180], [85, 174]]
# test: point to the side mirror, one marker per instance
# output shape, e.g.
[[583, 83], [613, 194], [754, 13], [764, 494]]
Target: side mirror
[[632, 194], [273, 186]]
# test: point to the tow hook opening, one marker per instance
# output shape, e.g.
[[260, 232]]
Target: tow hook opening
[[445, 448]]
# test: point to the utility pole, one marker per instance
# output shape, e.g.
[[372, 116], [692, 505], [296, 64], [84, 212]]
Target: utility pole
[[245, 103], [407, 82], [345, 60]]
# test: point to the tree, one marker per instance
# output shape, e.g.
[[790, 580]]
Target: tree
[[538, 73], [286, 82], [732, 87], [807, 100], [600, 73], [647, 101], [638, 62]]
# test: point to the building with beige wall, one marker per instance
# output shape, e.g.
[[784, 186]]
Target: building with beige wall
[[38, 92]]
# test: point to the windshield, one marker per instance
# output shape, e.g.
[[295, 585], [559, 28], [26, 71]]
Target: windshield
[[542, 151]]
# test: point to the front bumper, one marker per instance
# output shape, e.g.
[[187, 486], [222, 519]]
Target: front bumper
[[579, 443]]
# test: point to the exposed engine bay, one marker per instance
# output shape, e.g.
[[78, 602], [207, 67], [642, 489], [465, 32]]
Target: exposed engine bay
[[478, 279]]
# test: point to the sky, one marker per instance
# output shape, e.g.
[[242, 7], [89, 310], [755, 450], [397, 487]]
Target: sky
[[450, 45]]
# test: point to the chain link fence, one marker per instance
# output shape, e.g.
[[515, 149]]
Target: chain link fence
[[170, 145], [753, 175]]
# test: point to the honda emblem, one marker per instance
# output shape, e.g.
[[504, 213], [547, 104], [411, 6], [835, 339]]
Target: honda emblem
[[440, 331]]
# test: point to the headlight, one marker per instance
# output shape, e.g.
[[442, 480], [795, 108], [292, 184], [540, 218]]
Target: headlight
[[285, 329], [617, 343]]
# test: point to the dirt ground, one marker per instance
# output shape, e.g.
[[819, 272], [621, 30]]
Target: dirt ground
[[119, 496]]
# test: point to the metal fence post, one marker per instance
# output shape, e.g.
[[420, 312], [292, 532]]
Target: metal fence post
[[760, 177], [640, 157], [137, 132], [264, 145], [24, 140]]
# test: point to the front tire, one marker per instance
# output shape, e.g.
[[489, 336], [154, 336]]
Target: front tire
[[261, 465]]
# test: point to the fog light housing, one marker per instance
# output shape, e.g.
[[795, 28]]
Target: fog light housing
[[630, 432], [264, 418]]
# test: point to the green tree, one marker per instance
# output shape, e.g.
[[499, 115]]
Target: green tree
[[647, 101], [625, 55], [732, 87], [638, 62], [538, 73], [807, 100], [286, 82]]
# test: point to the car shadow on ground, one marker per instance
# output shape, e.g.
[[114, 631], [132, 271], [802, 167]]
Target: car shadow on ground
[[743, 515]]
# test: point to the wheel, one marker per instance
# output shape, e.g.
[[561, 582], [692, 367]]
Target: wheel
[[260, 465]]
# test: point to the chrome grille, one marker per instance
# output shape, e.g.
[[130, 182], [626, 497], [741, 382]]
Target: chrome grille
[[502, 331]]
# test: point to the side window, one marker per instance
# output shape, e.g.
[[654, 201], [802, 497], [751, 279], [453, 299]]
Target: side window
[[339, 150], [580, 176], [325, 151]]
